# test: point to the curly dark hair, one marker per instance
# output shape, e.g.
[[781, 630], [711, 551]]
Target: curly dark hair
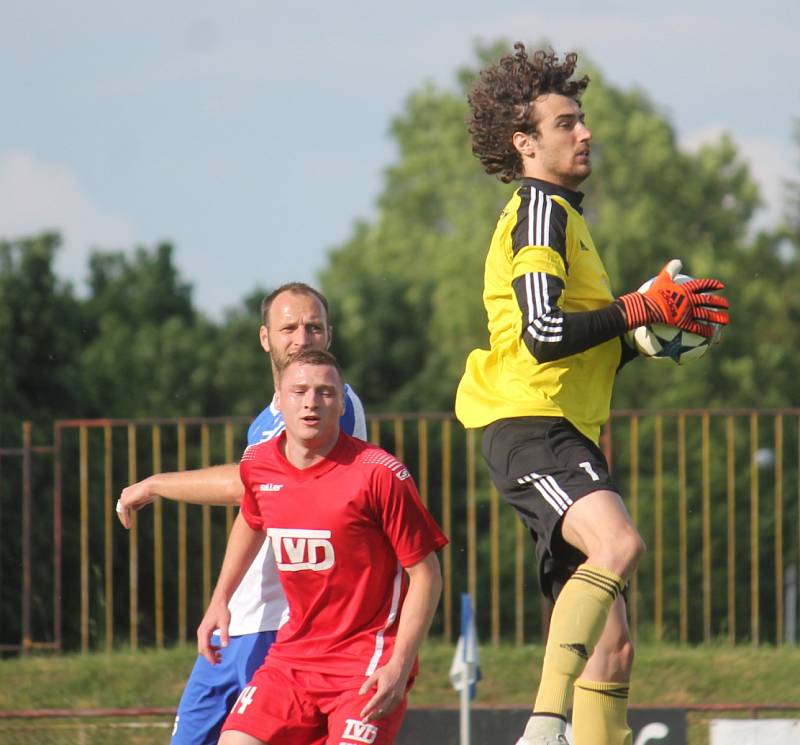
[[502, 103]]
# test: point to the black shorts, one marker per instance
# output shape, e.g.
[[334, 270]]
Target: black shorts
[[541, 466]]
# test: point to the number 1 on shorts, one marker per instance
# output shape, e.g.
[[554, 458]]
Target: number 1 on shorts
[[586, 466]]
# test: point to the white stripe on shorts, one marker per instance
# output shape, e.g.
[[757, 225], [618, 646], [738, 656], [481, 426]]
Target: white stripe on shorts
[[548, 487]]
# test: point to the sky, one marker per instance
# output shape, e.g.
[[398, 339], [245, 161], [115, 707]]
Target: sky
[[253, 134]]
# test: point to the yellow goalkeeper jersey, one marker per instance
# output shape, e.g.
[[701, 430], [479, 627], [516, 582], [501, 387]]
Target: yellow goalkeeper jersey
[[541, 234]]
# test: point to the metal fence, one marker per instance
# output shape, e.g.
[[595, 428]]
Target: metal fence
[[714, 493]]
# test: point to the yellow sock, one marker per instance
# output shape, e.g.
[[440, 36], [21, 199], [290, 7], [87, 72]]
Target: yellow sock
[[600, 714], [577, 622]]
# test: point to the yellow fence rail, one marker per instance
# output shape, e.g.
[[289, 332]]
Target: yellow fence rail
[[714, 493]]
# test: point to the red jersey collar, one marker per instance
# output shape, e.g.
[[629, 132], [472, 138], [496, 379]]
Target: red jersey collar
[[335, 457]]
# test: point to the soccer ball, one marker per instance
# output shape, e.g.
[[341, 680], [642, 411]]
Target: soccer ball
[[661, 342]]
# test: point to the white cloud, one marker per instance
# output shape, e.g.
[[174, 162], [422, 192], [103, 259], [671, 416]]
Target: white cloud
[[770, 161], [36, 196]]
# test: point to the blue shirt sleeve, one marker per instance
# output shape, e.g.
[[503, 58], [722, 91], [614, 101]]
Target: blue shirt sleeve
[[354, 420], [268, 424]]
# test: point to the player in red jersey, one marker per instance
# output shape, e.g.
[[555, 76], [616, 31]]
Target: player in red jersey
[[354, 547]]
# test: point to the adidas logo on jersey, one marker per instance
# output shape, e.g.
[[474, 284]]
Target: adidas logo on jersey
[[270, 487]]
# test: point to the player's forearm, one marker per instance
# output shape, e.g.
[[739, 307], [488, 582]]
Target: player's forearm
[[419, 606], [243, 545], [215, 485], [549, 332]]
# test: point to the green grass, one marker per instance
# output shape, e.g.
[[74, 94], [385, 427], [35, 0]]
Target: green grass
[[664, 675], [122, 679]]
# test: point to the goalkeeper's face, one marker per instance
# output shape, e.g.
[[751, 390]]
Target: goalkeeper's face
[[297, 321], [560, 151]]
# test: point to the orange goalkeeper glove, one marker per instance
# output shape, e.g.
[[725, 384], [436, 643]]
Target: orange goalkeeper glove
[[689, 306]]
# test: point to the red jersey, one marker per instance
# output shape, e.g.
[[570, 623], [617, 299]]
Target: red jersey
[[342, 530]]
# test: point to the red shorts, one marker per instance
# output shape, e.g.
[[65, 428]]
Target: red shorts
[[296, 707]]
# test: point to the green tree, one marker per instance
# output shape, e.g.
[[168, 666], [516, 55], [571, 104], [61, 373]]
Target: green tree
[[153, 354], [150, 353], [147, 287], [41, 331], [761, 352]]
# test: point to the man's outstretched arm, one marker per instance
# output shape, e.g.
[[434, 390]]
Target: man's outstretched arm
[[215, 485]]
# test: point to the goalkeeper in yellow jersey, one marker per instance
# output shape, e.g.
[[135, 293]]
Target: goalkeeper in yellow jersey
[[543, 389]]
